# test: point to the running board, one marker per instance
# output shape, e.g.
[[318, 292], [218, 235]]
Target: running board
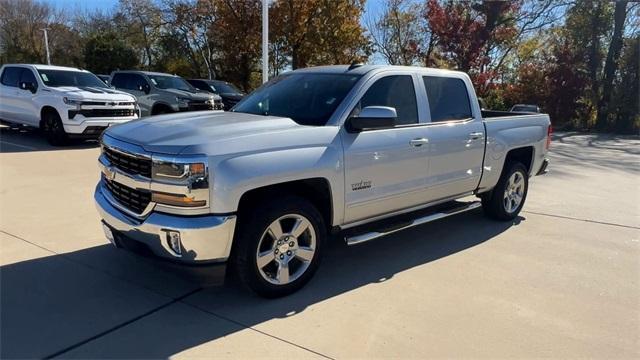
[[402, 225]]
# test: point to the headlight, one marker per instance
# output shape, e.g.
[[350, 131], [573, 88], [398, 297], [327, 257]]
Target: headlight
[[68, 101], [182, 102], [187, 173], [176, 171]]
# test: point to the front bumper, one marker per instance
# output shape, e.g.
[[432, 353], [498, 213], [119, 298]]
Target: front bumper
[[80, 125], [205, 239]]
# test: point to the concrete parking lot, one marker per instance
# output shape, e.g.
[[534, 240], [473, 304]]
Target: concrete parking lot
[[561, 281]]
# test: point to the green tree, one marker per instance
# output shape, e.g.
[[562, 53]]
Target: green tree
[[107, 52], [320, 32]]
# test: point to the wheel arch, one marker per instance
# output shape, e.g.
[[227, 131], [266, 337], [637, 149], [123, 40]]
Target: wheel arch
[[523, 155], [45, 110], [316, 190], [161, 105]]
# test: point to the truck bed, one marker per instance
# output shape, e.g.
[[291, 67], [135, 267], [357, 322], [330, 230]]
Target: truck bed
[[511, 130]]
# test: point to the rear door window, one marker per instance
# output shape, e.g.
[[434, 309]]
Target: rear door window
[[448, 98], [11, 76]]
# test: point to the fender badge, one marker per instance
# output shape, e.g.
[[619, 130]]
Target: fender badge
[[361, 185]]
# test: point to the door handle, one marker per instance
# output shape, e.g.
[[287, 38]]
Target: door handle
[[418, 142], [476, 135]]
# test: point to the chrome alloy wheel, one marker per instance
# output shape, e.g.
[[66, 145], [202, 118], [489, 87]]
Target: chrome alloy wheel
[[286, 249], [514, 192]]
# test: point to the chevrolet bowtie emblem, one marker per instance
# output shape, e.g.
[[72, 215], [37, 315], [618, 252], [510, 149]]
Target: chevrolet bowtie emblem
[[109, 173]]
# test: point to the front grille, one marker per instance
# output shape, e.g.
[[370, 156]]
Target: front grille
[[130, 164], [200, 105], [132, 199], [111, 113]]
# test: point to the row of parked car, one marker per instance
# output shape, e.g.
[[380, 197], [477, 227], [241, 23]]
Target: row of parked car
[[69, 103]]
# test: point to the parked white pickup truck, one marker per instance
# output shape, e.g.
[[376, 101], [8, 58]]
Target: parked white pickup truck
[[360, 151], [63, 102]]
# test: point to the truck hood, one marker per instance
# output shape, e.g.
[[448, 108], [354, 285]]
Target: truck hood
[[217, 133], [191, 95], [86, 93]]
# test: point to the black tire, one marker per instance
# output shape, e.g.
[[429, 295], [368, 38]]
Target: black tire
[[53, 129], [495, 204], [250, 232], [160, 109]]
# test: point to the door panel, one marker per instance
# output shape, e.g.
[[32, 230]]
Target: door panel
[[456, 138], [9, 109], [29, 114], [384, 172], [456, 153], [385, 169]]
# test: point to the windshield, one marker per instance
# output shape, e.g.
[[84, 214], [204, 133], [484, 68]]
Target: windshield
[[225, 88], [308, 99], [56, 78], [171, 82]]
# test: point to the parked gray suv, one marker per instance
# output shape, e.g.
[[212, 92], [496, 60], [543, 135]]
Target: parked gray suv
[[159, 93]]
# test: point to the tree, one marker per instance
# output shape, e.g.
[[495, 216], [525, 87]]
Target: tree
[[624, 109], [21, 38], [466, 33], [611, 64], [143, 20], [187, 25], [399, 33], [237, 33], [319, 32], [107, 52]]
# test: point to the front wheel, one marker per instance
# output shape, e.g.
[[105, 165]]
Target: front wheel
[[53, 129], [507, 199], [279, 246]]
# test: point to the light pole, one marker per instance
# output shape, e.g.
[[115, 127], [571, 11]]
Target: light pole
[[265, 41], [46, 45]]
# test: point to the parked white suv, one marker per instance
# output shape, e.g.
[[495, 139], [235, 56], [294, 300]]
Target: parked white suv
[[63, 102]]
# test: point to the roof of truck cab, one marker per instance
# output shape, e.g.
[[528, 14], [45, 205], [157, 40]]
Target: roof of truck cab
[[48, 67], [363, 69]]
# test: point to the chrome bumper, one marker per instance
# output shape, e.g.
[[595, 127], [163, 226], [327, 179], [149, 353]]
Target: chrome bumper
[[204, 238]]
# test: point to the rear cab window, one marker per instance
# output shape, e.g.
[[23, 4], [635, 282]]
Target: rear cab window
[[448, 98]]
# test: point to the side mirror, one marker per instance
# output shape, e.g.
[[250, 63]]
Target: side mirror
[[29, 86], [373, 117], [144, 88]]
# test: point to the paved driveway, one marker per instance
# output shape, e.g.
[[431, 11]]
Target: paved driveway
[[561, 281]]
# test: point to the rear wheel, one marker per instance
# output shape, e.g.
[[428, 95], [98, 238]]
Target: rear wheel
[[53, 129], [279, 246], [506, 200]]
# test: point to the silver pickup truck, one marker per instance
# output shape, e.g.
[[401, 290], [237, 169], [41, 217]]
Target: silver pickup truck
[[351, 151]]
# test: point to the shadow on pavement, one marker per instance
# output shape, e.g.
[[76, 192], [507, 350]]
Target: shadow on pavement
[[27, 139], [612, 151], [56, 303]]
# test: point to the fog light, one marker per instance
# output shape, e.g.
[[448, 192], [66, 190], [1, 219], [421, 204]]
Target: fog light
[[173, 238]]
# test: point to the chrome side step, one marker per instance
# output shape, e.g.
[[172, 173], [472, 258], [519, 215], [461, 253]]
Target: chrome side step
[[360, 238]]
